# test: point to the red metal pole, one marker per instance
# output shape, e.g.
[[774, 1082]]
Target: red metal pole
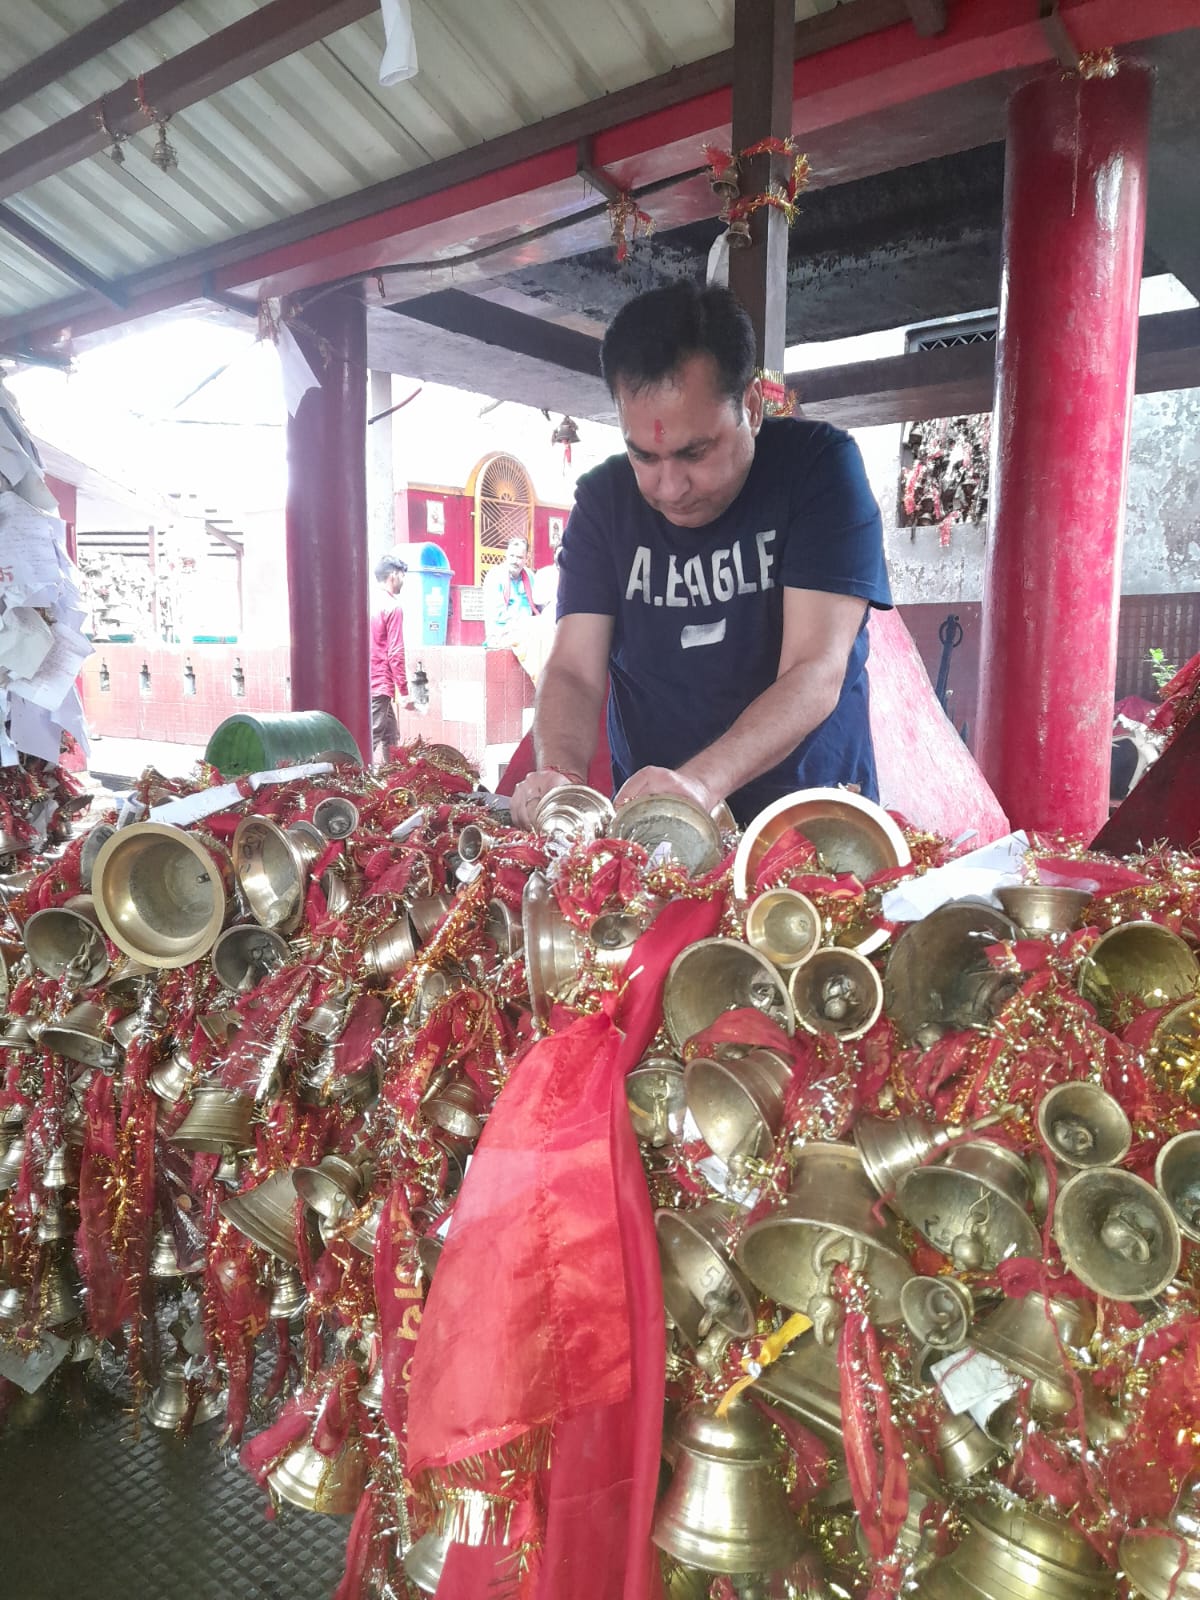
[[1074, 213], [328, 581]]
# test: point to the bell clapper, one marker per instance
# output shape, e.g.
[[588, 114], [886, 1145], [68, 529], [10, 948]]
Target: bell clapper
[[1128, 1233]]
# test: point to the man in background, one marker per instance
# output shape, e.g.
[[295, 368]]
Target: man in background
[[508, 598], [389, 677]]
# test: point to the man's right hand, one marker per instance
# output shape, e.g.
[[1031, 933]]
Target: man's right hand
[[528, 794]]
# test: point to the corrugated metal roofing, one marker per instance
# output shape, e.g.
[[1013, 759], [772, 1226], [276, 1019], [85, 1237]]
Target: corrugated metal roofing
[[317, 125]]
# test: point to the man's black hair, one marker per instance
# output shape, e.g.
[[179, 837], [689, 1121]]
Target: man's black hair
[[653, 335], [387, 565]]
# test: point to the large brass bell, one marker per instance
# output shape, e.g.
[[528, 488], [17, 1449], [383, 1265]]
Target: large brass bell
[[65, 942], [1117, 1234], [849, 834], [1140, 962], [718, 975], [1083, 1126], [172, 1400], [657, 1104], [1029, 1336], [1163, 1563], [830, 1216], [272, 866], [938, 1312], [965, 1449], [573, 813], [553, 950], [702, 1289], [1012, 1552], [806, 1381], [785, 926], [219, 1119], [836, 991], [1177, 1175], [330, 1189], [938, 976], [738, 1103], [725, 1508], [971, 1205], [82, 1036], [243, 956], [1042, 910], [335, 817], [892, 1147], [670, 828], [329, 1484], [159, 894], [266, 1214], [425, 1561]]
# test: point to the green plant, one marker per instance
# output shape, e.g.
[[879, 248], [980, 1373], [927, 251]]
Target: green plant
[[1161, 670]]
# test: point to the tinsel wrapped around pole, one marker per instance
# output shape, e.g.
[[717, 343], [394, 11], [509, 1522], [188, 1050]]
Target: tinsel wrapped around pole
[[627, 1207]]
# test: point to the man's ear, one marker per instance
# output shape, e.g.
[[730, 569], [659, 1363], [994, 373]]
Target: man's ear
[[753, 402]]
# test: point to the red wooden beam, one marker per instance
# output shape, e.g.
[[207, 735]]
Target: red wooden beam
[[245, 47], [125, 18]]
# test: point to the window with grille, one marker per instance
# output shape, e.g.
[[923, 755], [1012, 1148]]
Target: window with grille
[[503, 509], [944, 460]]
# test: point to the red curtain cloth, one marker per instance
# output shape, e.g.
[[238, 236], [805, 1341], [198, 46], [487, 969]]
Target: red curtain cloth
[[546, 1310]]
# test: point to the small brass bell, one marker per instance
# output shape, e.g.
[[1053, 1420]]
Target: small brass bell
[[892, 1147], [96, 839], [553, 950], [718, 975], [738, 1105], [1030, 1335], [427, 913], [168, 1407], [806, 1381], [59, 1299], [165, 1260], [836, 991], [391, 949], [12, 1157], [971, 1205], [654, 1093], [574, 813], [1177, 1175], [965, 1449], [83, 1036], [266, 1215], [335, 817], [62, 1168], [938, 1312], [1042, 910], [702, 1289], [473, 843], [65, 942], [503, 928], [243, 956], [785, 926], [1117, 1234], [56, 1222], [612, 938], [725, 1508], [332, 1485], [171, 1078], [1083, 1126], [456, 1106], [272, 865], [331, 1189], [938, 975], [159, 894], [288, 1294]]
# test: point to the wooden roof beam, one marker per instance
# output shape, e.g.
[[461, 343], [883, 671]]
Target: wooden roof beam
[[62, 260], [276, 30], [84, 45]]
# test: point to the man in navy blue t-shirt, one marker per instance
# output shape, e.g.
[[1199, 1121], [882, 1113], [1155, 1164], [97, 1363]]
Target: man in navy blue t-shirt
[[717, 576]]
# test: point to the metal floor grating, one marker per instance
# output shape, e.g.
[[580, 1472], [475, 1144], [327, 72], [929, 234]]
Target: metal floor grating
[[89, 1513]]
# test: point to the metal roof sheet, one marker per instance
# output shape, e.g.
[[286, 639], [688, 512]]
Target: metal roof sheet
[[317, 125]]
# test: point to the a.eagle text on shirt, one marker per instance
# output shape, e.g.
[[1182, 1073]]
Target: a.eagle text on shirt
[[702, 580]]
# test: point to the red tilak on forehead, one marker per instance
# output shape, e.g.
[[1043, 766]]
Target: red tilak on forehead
[[659, 430]]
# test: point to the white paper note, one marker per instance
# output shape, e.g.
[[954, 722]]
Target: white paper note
[[33, 730], [29, 570], [25, 641], [979, 873], [54, 679]]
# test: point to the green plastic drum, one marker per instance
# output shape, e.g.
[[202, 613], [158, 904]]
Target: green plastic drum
[[284, 739]]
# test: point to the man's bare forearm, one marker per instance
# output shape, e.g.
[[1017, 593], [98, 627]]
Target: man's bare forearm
[[565, 721], [769, 729]]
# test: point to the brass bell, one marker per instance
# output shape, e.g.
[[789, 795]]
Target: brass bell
[[170, 1079], [331, 1189], [12, 1305], [612, 938], [456, 1106], [335, 817], [229, 1168], [243, 956], [738, 1105], [59, 1300], [56, 1222], [785, 926], [848, 833], [219, 1026], [1029, 1336], [806, 1381], [427, 913], [1140, 961], [266, 1214], [12, 1157], [332, 1485], [219, 1119], [725, 1508], [892, 1147], [430, 991], [473, 843], [1117, 1234], [328, 1019], [1010, 1552], [170, 1403], [61, 1170], [971, 1205], [938, 1312], [390, 950], [340, 890], [96, 839], [159, 894], [365, 1232], [65, 942], [127, 978], [702, 1289], [1083, 1126], [1174, 1054], [965, 1449], [938, 975], [424, 1562], [654, 1093], [16, 1034], [1177, 1175], [737, 233], [135, 1024], [272, 865], [718, 975], [553, 950], [573, 813], [1163, 1563], [670, 828], [503, 927], [288, 1294], [831, 1215], [165, 1261], [836, 991], [1042, 910], [82, 1036]]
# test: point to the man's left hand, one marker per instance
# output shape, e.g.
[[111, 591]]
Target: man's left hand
[[666, 781]]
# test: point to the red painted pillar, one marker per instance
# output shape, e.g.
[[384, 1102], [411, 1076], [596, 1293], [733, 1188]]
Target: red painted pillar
[[327, 561], [1074, 213]]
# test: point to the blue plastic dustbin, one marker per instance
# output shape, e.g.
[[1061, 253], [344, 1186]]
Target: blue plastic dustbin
[[426, 593]]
